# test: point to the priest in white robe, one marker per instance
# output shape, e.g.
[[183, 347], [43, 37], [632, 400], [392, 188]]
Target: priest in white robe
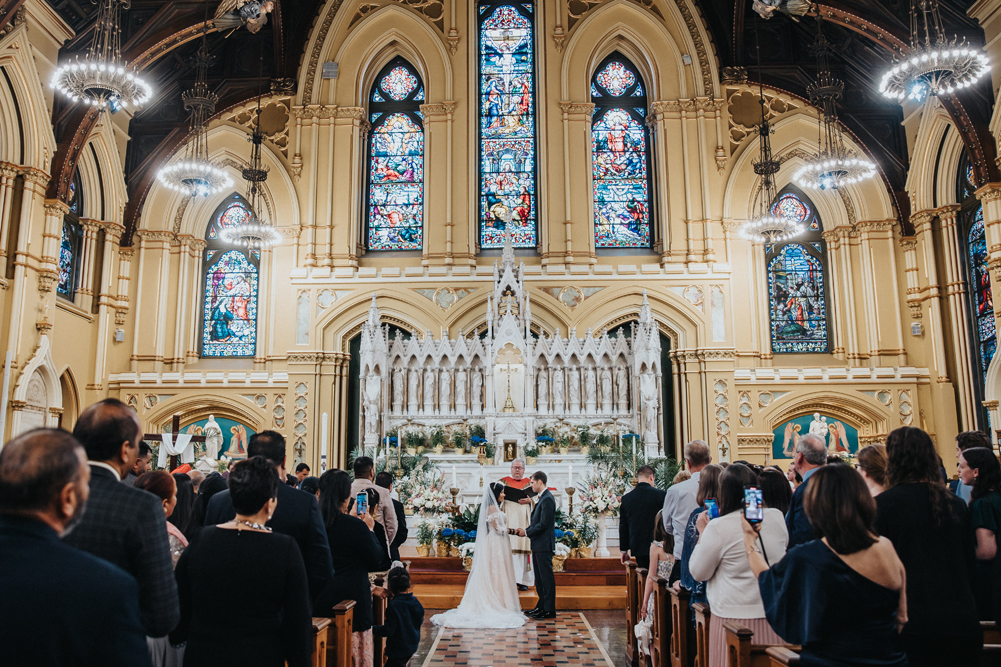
[[519, 515]]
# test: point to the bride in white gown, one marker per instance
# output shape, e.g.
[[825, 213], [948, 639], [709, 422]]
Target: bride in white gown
[[491, 596]]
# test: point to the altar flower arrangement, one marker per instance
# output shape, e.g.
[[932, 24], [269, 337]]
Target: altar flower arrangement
[[466, 552], [426, 492], [600, 495], [562, 550], [427, 528]]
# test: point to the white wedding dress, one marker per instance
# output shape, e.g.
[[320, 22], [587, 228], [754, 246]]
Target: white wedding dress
[[491, 596]]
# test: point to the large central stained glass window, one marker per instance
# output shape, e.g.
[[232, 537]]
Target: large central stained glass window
[[619, 156], [395, 216], [507, 124]]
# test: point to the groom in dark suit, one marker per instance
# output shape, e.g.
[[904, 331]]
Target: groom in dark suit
[[542, 532]]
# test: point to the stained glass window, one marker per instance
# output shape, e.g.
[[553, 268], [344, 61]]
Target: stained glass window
[[69, 243], [792, 207], [395, 211], [229, 322], [619, 157], [981, 300], [797, 300], [507, 124]]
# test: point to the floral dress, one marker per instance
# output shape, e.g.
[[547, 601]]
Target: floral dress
[[644, 629]]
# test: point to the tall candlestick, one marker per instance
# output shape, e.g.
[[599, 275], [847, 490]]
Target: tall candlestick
[[323, 442], [453, 477]]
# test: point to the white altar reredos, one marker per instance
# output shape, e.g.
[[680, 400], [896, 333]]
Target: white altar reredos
[[510, 380]]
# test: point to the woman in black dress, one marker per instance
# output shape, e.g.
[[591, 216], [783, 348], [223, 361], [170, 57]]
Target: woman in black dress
[[356, 551], [243, 591]]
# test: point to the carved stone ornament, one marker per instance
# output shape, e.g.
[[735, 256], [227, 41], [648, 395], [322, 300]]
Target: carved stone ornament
[[733, 75], [443, 109], [46, 281], [559, 38], [577, 107]]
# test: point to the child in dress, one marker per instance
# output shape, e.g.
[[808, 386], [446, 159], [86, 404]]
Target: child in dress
[[404, 618]]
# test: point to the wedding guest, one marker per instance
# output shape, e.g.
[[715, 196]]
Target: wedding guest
[[679, 501], [404, 618], [311, 485], [301, 472], [185, 505], [355, 550], [230, 615], [775, 490], [124, 525], [364, 469], [841, 597], [965, 441], [720, 560], [213, 484], [163, 485], [872, 466], [61, 606], [374, 497], [930, 531], [811, 454], [141, 465], [291, 480], [681, 477], [636, 513], [297, 515], [979, 468], [197, 477], [385, 480], [661, 562], [708, 488]]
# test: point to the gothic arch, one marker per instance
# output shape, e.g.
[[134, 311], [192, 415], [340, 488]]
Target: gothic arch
[[923, 176], [200, 406], [685, 326], [36, 142], [342, 320], [41, 366]]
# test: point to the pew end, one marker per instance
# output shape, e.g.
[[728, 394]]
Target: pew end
[[339, 635], [780, 655], [702, 617], [679, 639], [321, 627]]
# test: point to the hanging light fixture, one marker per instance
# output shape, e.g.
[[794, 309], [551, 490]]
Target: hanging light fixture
[[257, 232], [835, 165], [765, 226], [102, 79], [196, 175], [935, 65]]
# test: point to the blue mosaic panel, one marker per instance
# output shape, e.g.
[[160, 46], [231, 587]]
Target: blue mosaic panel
[[797, 301], [619, 168], [507, 125], [396, 184], [67, 262], [980, 285], [229, 327]]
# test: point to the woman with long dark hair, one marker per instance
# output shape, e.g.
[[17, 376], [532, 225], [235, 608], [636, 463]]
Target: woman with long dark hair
[[355, 550], [841, 597], [979, 468], [930, 530], [872, 466], [775, 489], [183, 511], [211, 485]]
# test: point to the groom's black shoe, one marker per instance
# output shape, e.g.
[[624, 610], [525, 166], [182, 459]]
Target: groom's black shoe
[[534, 613], [544, 615], [522, 587]]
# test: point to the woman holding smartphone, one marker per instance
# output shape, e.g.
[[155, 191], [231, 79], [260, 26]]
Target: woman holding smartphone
[[720, 560], [355, 550]]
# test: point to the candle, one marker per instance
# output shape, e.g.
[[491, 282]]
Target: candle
[[454, 483], [634, 447], [323, 442], [570, 475]]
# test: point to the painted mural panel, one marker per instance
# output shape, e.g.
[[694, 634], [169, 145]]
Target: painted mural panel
[[841, 438]]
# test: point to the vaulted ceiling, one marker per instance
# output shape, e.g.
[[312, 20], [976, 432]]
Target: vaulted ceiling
[[165, 35]]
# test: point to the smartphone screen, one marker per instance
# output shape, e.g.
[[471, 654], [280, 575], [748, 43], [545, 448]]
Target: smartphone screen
[[362, 503], [754, 510], [712, 507]]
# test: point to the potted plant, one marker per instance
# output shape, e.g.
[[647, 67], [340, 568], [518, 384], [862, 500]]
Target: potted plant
[[531, 453], [425, 536], [459, 537], [444, 537], [560, 556], [466, 551], [412, 440], [563, 442], [584, 438], [459, 442], [568, 536], [544, 436], [587, 533], [603, 441]]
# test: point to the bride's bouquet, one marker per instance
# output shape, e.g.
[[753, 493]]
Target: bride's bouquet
[[600, 494]]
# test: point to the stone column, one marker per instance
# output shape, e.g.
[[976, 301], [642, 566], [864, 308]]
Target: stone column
[[347, 188], [954, 297], [8, 173], [877, 252], [48, 269], [106, 299], [438, 248], [578, 194], [88, 261]]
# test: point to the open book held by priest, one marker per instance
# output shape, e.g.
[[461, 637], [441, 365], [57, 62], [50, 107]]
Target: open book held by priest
[[511, 493]]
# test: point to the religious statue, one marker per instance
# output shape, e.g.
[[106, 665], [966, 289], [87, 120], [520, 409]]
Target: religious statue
[[445, 391], [622, 388], [818, 427], [371, 409], [574, 383], [397, 389], [231, 15], [519, 515], [213, 439], [543, 390], [476, 395], [648, 397], [428, 389], [415, 379], [606, 389], [460, 390], [558, 406], [590, 388]]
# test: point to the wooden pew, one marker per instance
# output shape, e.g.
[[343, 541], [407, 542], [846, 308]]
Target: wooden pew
[[779, 656], [679, 643], [633, 597], [701, 648], [991, 634], [320, 629], [339, 635], [379, 618], [740, 649], [661, 631]]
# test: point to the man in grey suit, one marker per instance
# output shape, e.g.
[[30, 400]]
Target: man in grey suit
[[542, 533], [124, 525]]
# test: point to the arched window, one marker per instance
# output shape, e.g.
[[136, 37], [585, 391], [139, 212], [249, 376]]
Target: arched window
[[69, 244], [395, 211], [797, 289], [229, 319], [972, 232], [507, 123], [620, 150]]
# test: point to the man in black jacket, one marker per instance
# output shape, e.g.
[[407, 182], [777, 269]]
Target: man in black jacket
[[385, 480], [297, 514], [637, 515], [61, 606], [124, 525], [542, 532]]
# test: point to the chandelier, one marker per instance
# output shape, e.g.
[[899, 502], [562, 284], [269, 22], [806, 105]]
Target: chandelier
[[835, 165], [257, 232], [196, 175], [765, 226], [935, 65], [102, 79]]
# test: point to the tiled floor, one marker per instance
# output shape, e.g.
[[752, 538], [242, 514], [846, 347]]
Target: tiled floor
[[567, 640]]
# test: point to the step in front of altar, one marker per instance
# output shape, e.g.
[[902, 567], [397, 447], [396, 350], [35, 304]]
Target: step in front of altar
[[577, 572], [448, 596]]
